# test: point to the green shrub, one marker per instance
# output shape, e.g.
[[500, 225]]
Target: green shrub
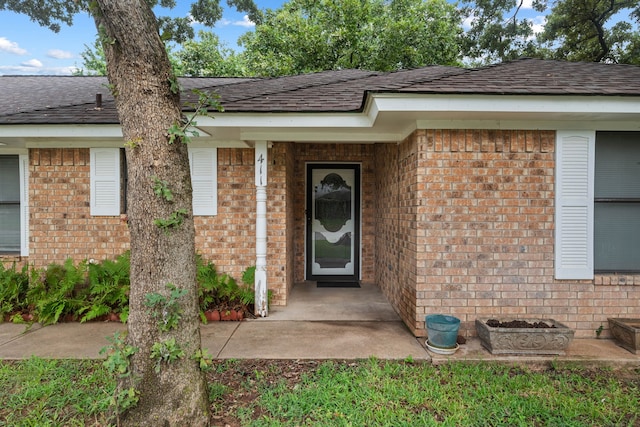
[[108, 289], [14, 286], [59, 290], [221, 290], [89, 290]]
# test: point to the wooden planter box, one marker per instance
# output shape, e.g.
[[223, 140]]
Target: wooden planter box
[[627, 333], [525, 341]]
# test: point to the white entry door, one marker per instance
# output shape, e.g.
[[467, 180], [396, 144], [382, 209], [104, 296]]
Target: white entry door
[[333, 221]]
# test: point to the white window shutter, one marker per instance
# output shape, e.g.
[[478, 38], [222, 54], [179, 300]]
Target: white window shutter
[[105, 181], [24, 204], [574, 204], [204, 180]]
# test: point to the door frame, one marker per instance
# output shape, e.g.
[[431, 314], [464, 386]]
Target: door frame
[[357, 229]]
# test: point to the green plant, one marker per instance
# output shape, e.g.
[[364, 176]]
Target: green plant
[[221, 290], [59, 290], [204, 359], [108, 289], [133, 143], [161, 189], [599, 331], [118, 363], [184, 130], [166, 351], [13, 290], [166, 309], [175, 220], [249, 276]]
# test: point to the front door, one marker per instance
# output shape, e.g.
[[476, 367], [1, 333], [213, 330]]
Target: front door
[[333, 221]]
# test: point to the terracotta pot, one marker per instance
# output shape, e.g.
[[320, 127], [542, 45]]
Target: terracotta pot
[[240, 315], [113, 317], [69, 318], [226, 314], [212, 315]]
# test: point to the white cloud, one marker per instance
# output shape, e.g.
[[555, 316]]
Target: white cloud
[[11, 47], [468, 21], [30, 70], [32, 63], [59, 54], [527, 4], [192, 21], [245, 22], [538, 24]]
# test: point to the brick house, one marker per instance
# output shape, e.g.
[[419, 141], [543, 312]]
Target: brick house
[[509, 190]]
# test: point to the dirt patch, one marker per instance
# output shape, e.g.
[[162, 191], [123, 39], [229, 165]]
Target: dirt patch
[[518, 324], [242, 381]]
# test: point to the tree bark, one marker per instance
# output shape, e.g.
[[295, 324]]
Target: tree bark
[[140, 76]]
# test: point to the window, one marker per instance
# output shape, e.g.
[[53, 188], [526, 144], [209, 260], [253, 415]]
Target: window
[[108, 181], [9, 204], [597, 203], [13, 205], [617, 202]]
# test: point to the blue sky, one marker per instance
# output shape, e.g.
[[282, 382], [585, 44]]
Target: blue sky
[[27, 48]]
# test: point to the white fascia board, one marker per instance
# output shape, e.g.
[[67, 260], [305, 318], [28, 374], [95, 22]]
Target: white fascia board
[[324, 135], [286, 120], [630, 125], [61, 131], [546, 104]]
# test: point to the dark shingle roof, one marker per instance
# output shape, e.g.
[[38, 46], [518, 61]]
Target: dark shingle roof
[[49, 99], [540, 77]]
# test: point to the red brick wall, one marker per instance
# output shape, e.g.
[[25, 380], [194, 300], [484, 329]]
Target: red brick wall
[[62, 227], [228, 239], [350, 153], [477, 240], [454, 221], [396, 232]]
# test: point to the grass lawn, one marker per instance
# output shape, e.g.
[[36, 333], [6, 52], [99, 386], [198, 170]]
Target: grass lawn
[[372, 392]]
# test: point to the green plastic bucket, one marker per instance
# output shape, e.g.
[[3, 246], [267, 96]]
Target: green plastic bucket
[[442, 330]]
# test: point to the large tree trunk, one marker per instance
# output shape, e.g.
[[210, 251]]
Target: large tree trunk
[[140, 76]]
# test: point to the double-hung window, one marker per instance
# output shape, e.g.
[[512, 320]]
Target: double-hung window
[[13, 205], [597, 203], [617, 202]]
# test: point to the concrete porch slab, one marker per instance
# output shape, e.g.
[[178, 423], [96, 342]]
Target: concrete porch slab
[[322, 340]]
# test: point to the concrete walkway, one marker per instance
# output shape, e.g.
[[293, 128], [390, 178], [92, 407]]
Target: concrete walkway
[[317, 323], [287, 339]]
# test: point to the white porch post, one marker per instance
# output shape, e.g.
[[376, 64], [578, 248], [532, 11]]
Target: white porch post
[[261, 307]]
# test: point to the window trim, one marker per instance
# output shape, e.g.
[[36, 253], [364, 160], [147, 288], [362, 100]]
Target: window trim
[[23, 179], [24, 204]]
